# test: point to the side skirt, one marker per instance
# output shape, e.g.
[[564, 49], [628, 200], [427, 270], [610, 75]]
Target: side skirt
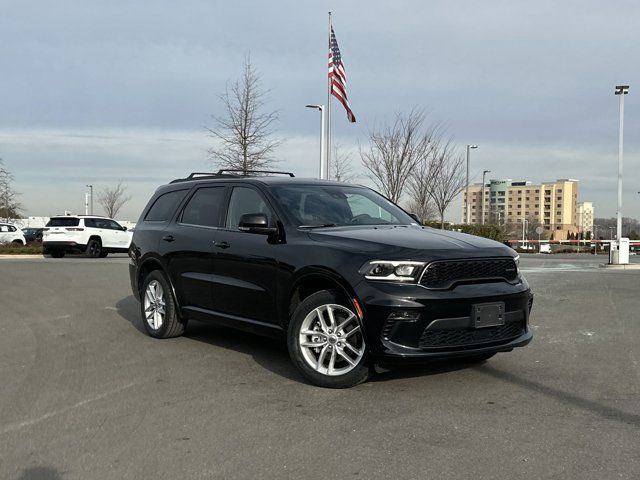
[[232, 321]]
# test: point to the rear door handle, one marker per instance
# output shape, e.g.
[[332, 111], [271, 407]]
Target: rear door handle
[[222, 244], [168, 238]]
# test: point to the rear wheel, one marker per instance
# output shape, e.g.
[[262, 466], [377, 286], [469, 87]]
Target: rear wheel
[[326, 341], [94, 248], [159, 313], [17, 242]]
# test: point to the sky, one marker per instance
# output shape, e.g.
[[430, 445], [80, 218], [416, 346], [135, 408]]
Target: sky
[[95, 92]]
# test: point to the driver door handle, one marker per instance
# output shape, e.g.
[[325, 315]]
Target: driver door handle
[[168, 238], [222, 244]]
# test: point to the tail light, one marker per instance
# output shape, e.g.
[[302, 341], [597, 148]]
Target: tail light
[[74, 229]]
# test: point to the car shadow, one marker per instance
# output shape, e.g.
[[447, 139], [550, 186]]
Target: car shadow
[[269, 353], [40, 473], [591, 406], [386, 373]]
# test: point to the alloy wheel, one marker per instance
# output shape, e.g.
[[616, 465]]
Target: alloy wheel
[[331, 340], [154, 304]]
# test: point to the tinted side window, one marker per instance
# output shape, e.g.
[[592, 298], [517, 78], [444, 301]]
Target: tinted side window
[[245, 200], [63, 222], [113, 225], [204, 207], [164, 206], [89, 223]]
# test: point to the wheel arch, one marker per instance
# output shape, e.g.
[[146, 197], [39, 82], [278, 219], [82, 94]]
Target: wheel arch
[[149, 265], [313, 280]]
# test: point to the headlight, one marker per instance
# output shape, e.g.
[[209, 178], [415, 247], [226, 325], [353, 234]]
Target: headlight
[[395, 271], [517, 260]]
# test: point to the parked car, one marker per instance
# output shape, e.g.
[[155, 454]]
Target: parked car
[[348, 278], [33, 234], [11, 234], [93, 235]]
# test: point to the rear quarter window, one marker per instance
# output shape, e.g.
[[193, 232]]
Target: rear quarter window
[[164, 206], [63, 222]]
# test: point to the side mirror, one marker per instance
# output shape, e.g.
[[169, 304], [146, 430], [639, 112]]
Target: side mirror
[[256, 223], [124, 229], [416, 218]]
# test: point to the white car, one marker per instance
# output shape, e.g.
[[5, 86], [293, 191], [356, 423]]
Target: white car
[[11, 234], [90, 234]]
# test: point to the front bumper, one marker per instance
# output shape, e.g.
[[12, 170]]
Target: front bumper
[[412, 323]]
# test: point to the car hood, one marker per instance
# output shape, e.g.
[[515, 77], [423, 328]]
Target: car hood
[[410, 242]]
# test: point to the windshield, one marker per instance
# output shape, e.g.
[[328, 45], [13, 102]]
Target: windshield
[[335, 205]]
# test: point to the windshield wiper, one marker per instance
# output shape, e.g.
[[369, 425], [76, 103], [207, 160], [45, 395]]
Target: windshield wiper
[[321, 225]]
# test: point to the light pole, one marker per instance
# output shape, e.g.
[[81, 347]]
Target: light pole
[[524, 225], [324, 165], [621, 90], [466, 199], [483, 175], [91, 189]]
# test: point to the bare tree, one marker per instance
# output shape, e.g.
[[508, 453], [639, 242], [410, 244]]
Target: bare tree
[[244, 130], [395, 150], [449, 179], [113, 199], [9, 205], [341, 168], [421, 182]]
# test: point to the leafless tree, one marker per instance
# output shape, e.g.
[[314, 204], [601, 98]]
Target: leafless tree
[[395, 150], [422, 181], [449, 179], [9, 205], [341, 168], [244, 130], [113, 199]]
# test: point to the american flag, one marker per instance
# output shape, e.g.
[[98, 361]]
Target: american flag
[[338, 77]]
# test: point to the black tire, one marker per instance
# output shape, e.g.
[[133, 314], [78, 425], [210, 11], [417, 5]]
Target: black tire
[[57, 253], [17, 242], [94, 248], [172, 324], [104, 254], [362, 369]]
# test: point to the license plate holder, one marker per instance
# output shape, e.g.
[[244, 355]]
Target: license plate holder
[[486, 315]]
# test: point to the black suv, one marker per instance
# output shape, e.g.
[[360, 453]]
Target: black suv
[[346, 276]]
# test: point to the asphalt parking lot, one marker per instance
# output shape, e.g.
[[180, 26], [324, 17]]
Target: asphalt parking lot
[[85, 395]]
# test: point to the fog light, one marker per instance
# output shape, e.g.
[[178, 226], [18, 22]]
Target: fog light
[[404, 315]]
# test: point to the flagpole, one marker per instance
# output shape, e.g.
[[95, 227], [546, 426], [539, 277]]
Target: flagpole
[[325, 174]]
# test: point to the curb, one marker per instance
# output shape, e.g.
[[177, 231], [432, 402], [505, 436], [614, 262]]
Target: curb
[[17, 255], [628, 266]]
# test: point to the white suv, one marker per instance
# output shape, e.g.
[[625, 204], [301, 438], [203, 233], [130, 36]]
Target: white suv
[[11, 234], [95, 236]]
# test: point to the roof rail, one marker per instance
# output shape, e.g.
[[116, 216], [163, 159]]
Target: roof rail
[[246, 173], [229, 173]]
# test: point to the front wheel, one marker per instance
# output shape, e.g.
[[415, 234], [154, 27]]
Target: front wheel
[[327, 343]]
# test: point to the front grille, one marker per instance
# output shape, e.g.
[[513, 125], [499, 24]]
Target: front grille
[[445, 274], [465, 337]]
